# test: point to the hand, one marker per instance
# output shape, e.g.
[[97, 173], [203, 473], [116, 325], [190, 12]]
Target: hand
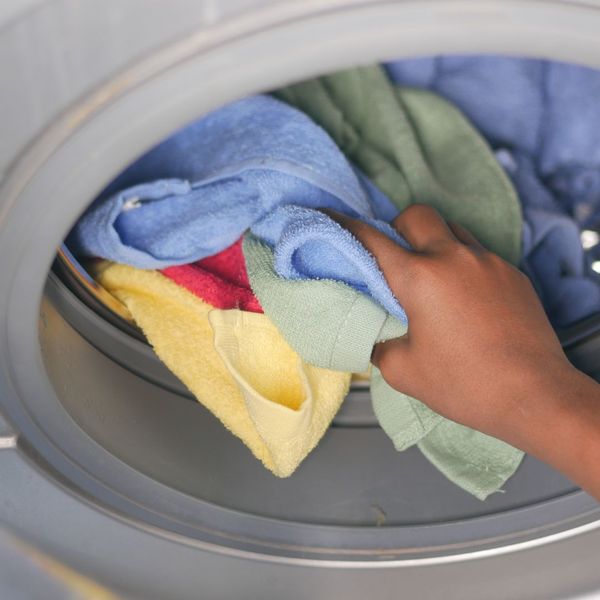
[[479, 346]]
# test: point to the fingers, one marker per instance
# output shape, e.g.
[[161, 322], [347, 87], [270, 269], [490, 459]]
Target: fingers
[[466, 237], [391, 258], [393, 359], [423, 227]]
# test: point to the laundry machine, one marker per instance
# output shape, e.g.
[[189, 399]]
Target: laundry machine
[[105, 463]]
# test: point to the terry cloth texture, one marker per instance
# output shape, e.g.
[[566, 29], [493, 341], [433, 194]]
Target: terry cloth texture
[[401, 139], [221, 280], [545, 114], [255, 163], [236, 363], [327, 322]]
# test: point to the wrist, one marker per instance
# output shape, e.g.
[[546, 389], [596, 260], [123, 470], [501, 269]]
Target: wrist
[[544, 404], [560, 424]]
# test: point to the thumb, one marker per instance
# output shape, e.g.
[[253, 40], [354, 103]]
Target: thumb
[[394, 359]]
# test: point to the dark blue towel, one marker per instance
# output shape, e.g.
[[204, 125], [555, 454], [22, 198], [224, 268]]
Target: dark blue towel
[[544, 118]]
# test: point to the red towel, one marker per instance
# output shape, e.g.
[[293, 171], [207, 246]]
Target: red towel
[[220, 280]]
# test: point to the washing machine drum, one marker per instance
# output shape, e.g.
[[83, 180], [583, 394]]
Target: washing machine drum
[[105, 462]]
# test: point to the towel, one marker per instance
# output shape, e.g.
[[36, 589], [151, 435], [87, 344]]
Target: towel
[[254, 163], [553, 256], [196, 193], [555, 263], [220, 280], [478, 463], [547, 109], [236, 363], [327, 322], [545, 115], [310, 245]]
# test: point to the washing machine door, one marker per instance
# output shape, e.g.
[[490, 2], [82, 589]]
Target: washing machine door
[[104, 463]]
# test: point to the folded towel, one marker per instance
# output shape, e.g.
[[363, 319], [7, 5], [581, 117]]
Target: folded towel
[[546, 115], [221, 175], [236, 363], [221, 280]]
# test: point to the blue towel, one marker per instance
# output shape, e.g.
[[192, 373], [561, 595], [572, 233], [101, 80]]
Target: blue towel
[[310, 245], [256, 163], [577, 190], [553, 257], [556, 265], [547, 109], [544, 119]]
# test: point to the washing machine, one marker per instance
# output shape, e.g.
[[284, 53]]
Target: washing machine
[[106, 464]]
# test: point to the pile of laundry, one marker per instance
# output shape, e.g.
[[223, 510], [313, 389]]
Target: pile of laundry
[[264, 306]]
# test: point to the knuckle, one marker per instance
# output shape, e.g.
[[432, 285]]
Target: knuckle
[[452, 249], [494, 261]]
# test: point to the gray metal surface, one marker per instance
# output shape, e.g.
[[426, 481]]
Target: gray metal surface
[[145, 564], [103, 473]]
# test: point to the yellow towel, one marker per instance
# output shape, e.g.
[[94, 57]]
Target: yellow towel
[[236, 363]]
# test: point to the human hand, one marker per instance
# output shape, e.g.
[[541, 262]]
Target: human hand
[[479, 348]]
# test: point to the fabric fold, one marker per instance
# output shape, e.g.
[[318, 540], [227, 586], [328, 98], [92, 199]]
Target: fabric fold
[[236, 364], [221, 280], [212, 181], [327, 322]]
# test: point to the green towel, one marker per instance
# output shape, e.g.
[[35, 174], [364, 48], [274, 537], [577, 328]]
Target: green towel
[[301, 309], [417, 148]]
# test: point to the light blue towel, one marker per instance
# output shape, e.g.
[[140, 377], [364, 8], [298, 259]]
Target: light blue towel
[[256, 163], [544, 118], [310, 245]]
